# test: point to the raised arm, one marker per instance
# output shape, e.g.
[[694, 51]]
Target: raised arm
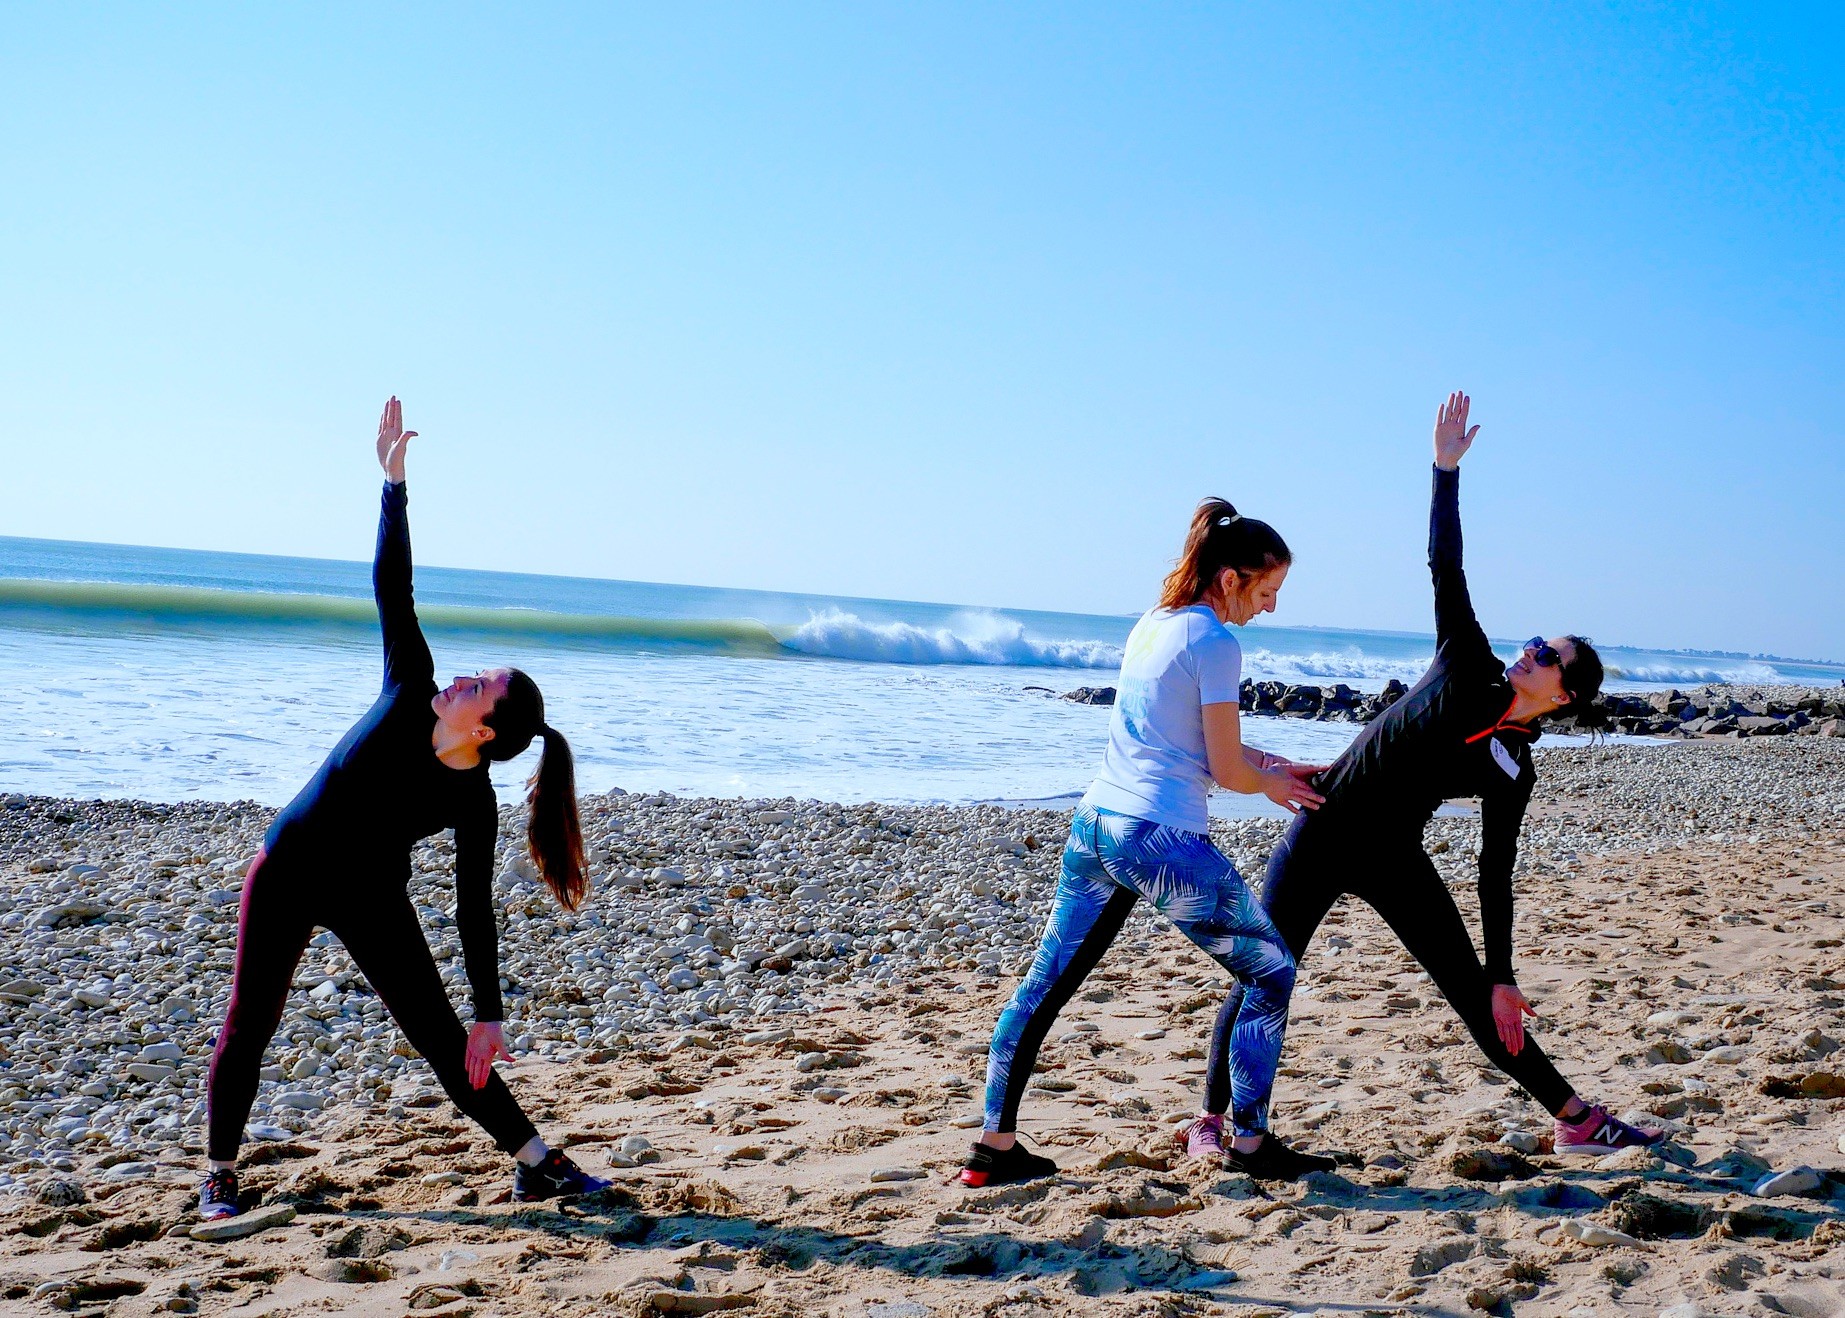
[[1456, 628], [406, 654]]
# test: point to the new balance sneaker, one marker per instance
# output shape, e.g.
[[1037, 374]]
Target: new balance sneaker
[[555, 1178], [987, 1165], [218, 1195], [1203, 1138], [1596, 1134], [1271, 1160]]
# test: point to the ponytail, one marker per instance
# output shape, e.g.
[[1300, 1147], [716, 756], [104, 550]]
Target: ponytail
[[1221, 537], [553, 830]]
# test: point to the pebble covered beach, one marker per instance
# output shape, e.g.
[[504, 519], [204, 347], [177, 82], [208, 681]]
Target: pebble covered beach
[[770, 1020]]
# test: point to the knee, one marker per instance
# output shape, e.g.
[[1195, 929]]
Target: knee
[[1276, 976]]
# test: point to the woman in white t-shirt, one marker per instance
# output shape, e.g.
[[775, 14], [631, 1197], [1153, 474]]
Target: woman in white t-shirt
[[1142, 831]]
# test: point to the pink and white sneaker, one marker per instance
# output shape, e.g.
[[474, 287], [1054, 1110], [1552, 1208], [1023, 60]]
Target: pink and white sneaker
[[1597, 1133], [1203, 1138]]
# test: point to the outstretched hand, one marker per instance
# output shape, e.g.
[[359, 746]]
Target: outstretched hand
[[393, 439], [486, 1045], [1452, 437], [1509, 1011]]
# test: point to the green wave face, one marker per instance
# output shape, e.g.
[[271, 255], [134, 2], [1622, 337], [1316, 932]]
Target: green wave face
[[194, 604]]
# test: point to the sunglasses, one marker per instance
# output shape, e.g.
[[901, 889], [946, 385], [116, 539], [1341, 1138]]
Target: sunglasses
[[1542, 653]]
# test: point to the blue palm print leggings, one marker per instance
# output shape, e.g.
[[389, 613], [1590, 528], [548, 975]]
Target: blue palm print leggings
[[1110, 862]]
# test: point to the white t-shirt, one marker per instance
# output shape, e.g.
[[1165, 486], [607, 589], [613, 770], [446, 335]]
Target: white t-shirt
[[1155, 766]]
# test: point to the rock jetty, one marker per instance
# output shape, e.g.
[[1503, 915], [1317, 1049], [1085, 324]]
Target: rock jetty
[[1708, 711]]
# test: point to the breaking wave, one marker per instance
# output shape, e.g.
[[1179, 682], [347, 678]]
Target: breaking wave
[[977, 638], [1746, 672]]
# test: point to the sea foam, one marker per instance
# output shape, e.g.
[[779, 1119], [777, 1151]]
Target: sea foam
[[972, 638]]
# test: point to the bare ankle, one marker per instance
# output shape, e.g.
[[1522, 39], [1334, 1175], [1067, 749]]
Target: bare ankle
[[1246, 1143], [999, 1140]]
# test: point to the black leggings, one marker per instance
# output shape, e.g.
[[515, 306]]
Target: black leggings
[[281, 906], [1324, 858]]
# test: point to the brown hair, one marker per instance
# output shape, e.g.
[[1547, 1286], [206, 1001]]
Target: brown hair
[[1582, 681], [553, 832], [1220, 538]]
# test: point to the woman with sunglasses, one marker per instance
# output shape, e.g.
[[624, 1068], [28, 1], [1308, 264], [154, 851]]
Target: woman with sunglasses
[[1464, 730]]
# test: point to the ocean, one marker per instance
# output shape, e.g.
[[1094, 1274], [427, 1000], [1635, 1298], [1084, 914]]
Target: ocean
[[165, 674]]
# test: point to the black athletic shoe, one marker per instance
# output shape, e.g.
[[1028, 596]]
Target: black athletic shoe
[[218, 1195], [1274, 1161], [987, 1165], [555, 1178]]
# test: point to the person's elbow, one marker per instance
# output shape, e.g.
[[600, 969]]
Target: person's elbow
[[1237, 776]]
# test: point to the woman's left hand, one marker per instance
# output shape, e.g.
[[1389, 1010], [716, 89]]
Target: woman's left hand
[[1509, 1011], [393, 439], [486, 1045]]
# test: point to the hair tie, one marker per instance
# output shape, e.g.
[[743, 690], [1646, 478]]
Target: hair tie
[[544, 730], [1233, 517]]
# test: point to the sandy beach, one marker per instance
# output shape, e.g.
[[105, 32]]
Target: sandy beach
[[769, 1025]]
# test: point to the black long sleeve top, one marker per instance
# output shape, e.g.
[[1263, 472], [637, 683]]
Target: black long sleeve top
[[382, 788], [1446, 738]]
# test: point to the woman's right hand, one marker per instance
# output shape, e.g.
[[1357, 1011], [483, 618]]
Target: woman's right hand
[[1289, 788], [1452, 437], [393, 439]]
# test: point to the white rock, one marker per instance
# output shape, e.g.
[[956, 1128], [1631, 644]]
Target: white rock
[[1594, 1233], [1794, 1181], [1728, 1055], [244, 1224], [50, 917], [884, 1174], [153, 1072], [635, 1145], [161, 1052], [1151, 1034], [300, 1099]]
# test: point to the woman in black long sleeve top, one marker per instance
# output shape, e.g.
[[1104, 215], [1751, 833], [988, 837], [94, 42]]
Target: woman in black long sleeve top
[[1464, 730], [338, 856]]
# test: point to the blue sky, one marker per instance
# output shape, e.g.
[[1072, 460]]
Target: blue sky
[[963, 304]]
